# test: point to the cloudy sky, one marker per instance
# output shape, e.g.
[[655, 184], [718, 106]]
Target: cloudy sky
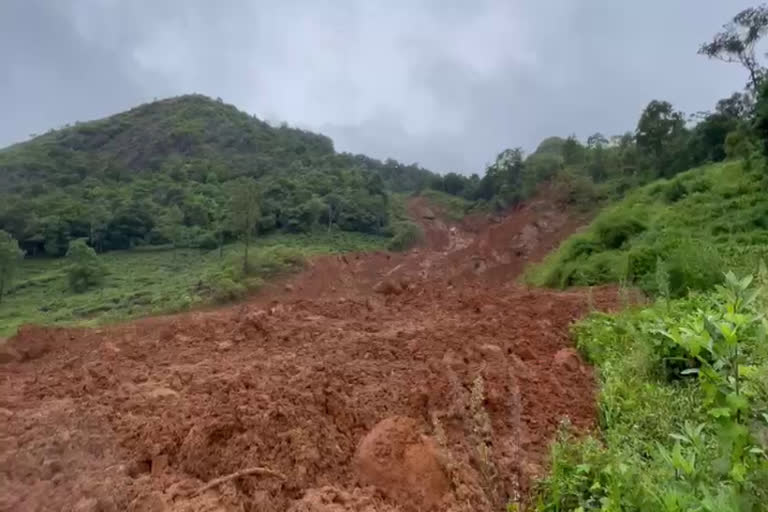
[[446, 83]]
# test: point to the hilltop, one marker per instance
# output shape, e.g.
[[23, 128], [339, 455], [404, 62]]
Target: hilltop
[[113, 180]]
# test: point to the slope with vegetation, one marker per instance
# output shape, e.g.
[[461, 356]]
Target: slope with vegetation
[[146, 206], [131, 179], [683, 403]]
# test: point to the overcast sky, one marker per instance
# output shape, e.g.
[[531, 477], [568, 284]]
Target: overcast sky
[[446, 83]]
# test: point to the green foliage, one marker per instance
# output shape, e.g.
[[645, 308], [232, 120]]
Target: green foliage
[[452, 207], [117, 181], [85, 268], [151, 280], [722, 216], [683, 402], [10, 255], [407, 235]]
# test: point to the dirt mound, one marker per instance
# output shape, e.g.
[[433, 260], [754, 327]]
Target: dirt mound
[[402, 462], [439, 397]]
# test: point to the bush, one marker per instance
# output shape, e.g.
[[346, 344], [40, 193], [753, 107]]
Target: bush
[[407, 235], [674, 191], [694, 440], [694, 265], [614, 230], [85, 270]]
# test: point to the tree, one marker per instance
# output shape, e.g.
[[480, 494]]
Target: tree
[[573, 151], [10, 254], [85, 269], [244, 211], [761, 116], [172, 227], [98, 219], [315, 208], [737, 41], [659, 131], [738, 105]]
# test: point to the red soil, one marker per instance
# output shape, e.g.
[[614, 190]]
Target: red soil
[[375, 382]]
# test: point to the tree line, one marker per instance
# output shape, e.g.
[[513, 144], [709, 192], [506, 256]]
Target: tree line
[[165, 173], [664, 142]]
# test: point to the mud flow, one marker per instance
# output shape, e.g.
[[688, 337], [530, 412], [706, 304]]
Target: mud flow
[[421, 381]]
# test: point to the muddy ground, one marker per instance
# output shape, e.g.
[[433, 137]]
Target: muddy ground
[[377, 382]]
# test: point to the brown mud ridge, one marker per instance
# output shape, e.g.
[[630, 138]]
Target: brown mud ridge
[[376, 382]]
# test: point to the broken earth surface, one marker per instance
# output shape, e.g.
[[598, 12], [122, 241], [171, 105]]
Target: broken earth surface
[[378, 382]]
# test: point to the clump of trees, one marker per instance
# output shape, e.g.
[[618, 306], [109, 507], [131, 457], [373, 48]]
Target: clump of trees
[[664, 142], [85, 269], [161, 173], [10, 255]]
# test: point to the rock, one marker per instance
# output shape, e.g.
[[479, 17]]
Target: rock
[[86, 505], [51, 468], [162, 393], [224, 346], [387, 287], [568, 359], [288, 287], [491, 351], [402, 463], [428, 214], [8, 354], [159, 464]]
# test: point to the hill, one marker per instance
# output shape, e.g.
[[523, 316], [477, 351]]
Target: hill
[[113, 180], [688, 227]]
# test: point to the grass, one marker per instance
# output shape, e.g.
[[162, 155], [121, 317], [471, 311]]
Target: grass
[[660, 447], [147, 282], [453, 207], [692, 224]]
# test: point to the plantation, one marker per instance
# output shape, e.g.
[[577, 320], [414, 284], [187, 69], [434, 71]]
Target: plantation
[[160, 280]]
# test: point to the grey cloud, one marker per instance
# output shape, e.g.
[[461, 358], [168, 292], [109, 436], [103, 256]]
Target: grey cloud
[[446, 83]]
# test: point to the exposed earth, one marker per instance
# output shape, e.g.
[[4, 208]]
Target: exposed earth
[[420, 381]]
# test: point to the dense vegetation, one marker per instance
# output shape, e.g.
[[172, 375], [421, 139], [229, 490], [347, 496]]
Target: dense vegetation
[[683, 408], [684, 380], [691, 225], [159, 174]]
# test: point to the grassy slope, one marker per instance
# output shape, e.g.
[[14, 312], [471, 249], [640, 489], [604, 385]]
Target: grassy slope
[[659, 446], [143, 282], [695, 223], [453, 207]]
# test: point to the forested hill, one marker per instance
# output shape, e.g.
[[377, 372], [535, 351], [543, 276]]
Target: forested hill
[[116, 180]]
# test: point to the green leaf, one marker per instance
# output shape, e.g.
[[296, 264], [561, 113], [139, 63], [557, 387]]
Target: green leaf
[[720, 412], [737, 402], [747, 371]]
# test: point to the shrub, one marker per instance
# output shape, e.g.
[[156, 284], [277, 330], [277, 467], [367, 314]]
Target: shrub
[[614, 230], [693, 265], [641, 262], [695, 441], [85, 269], [407, 235], [674, 191]]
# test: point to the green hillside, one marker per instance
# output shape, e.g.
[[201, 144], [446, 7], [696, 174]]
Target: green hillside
[[114, 180], [692, 226]]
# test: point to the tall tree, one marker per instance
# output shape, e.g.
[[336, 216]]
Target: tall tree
[[659, 125], [244, 211], [172, 227], [10, 254], [737, 42]]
